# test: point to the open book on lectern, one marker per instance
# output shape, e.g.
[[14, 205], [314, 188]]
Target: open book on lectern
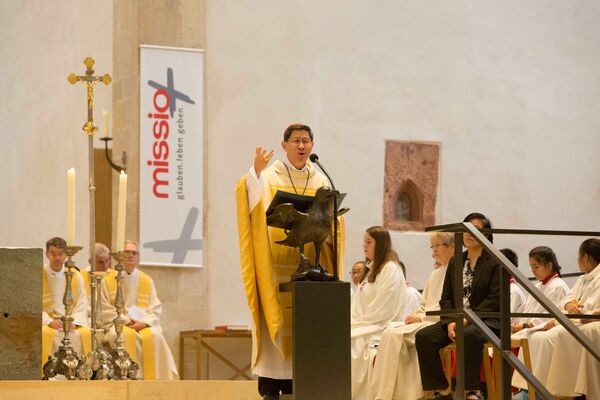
[[301, 203]]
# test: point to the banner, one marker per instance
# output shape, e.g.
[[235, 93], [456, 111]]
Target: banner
[[171, 122]]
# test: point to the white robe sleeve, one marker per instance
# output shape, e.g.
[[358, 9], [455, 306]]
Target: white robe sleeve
[[255, 187], [46, 319], [412, 301], [82, 306], [390, 287]]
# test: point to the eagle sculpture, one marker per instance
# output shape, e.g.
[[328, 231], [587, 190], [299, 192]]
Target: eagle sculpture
[[306, 227]]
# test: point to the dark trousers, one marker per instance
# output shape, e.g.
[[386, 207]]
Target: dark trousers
[[272, 387], [430, 340]]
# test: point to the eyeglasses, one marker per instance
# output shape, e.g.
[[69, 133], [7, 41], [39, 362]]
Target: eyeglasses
[[133, 253], [433, 246], [298, 142]]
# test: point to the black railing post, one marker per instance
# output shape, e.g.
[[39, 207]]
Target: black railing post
[[505, 331], [457, 291]]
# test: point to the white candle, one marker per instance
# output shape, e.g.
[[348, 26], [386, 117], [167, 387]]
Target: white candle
[[121, 211], [105, 123], [70, 206]]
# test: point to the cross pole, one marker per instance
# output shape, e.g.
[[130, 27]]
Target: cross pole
[[89, 128]]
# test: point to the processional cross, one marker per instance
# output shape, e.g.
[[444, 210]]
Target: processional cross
[[90, 81], [98, 360]]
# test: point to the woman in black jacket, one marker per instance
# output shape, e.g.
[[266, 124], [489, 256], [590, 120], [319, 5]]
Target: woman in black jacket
[[481, 293]]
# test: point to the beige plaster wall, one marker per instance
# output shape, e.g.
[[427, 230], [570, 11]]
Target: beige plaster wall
[[508, 88], [41, 114]]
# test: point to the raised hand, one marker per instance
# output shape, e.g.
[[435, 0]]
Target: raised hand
[[261, 159]]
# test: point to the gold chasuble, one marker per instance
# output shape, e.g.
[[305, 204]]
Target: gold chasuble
[[264, 263]]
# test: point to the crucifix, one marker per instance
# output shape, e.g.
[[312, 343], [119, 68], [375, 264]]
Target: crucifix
[[98, 356]]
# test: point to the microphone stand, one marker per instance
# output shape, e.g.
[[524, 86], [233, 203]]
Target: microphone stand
[[314, 158]]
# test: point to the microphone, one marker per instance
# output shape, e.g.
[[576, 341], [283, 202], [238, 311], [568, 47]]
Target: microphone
[[315, 158]]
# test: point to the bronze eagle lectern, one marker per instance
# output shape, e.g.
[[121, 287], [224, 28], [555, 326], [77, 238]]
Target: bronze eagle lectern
[[305, 227]]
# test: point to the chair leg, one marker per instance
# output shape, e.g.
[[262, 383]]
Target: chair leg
[[527, 359]]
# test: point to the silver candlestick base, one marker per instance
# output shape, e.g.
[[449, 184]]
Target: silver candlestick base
[[99, 361], [125, 367], [65, 360]]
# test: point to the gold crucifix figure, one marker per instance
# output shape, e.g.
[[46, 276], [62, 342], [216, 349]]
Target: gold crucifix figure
[[90, 81]]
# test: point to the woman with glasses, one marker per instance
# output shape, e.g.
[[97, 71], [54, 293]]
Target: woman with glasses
[[378, 302]]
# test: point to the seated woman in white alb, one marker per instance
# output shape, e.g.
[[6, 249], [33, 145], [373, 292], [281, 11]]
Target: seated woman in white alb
[[396, 373], [376, 304]]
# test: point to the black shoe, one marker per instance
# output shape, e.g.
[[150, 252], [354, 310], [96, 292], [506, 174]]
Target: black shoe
[[271, 397]]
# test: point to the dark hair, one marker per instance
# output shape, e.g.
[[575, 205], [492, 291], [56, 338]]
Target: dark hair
[[56, 242], [511, 255], [402, 267], [544, 255], [485, 221], [296, 127], [591, 247], [383, 249]]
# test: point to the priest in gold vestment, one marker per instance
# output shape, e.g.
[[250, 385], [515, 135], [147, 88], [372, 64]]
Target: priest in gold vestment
[[266, 264], [143, 310], [53, 284]]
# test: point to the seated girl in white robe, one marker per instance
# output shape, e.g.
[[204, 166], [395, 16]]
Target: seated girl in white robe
[[565, 366], [396, 372], [378, 302], [544, 337]]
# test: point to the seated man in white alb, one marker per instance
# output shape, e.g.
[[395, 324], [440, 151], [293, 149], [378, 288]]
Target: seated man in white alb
[[54, 283], [412, 297], [396, 373], [143, 309]]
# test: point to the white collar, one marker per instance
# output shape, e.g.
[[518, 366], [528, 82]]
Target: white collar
[[592, 274], [291, 166], [52, 272]]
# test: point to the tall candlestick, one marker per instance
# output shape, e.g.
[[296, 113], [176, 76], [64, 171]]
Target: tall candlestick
[[70, 206], [121, 211], [105, 123]]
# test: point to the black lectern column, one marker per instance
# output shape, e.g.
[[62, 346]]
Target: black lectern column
[[321, 339]]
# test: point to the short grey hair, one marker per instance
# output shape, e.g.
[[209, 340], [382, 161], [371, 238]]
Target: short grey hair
[[447, 238], [100, 249]]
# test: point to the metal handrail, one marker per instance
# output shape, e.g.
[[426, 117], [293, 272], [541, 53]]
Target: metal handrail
[[507, 270]]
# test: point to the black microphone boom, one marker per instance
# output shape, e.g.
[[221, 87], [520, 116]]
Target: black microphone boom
[[315, 158]]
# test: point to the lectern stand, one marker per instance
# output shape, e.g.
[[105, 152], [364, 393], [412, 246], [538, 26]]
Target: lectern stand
[[321, 339]]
